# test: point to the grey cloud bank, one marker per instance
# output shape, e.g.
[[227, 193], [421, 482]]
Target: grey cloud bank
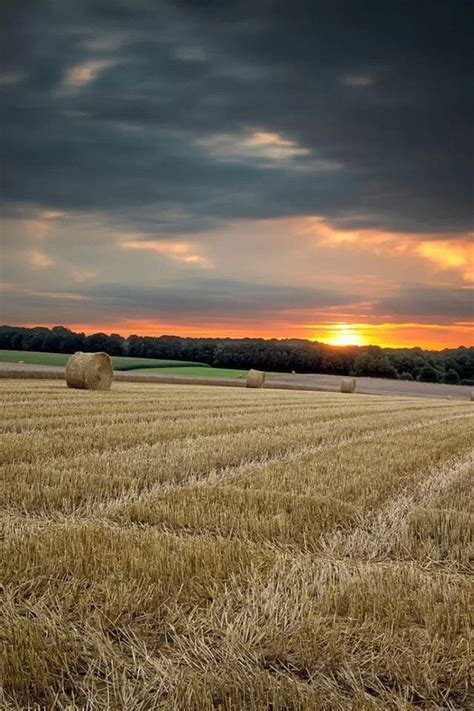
[[109, 105]]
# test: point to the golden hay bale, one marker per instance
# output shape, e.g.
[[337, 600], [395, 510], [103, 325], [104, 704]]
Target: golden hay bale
[[89, 371], [255, 379], [348, 385]]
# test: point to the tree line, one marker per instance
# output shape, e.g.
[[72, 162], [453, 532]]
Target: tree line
[[454, 365]]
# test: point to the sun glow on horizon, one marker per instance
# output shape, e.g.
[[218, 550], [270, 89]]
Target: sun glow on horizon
[[344, 335], [430, 336]]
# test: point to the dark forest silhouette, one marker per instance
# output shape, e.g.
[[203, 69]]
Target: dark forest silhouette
[[453, 366]]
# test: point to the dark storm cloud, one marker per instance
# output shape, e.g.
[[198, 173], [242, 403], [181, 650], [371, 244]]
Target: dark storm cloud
[[216, 298], [423, 303], [377, 93]]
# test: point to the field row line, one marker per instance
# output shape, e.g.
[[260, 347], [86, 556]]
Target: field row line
[[168, 413], [219, 475], [103, 452], [353, 410], [379, 532], [15, 524], [166, 406]]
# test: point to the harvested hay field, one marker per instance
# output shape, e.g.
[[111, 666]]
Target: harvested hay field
[[186, 547]]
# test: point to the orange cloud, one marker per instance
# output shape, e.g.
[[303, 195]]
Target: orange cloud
[[264, 144], [180, 251], [274, 145], [84, 73], [42, 224], [450, 255], [39, 260], [446, 254]]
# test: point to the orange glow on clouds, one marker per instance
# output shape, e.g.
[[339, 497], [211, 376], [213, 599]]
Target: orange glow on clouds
[[39, 260], [282, 147], [180, 251], [449, 255], [307, 251], [83, 74], [444, 253], [262, 144]]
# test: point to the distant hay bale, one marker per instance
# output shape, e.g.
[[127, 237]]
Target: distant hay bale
[[348, 385], [472, 395], [255, 379], [89, 371], [21, 361]]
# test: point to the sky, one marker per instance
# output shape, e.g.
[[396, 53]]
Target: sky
[[254, 168]]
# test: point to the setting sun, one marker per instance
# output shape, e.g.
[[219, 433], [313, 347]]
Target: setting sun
[[343, 335]]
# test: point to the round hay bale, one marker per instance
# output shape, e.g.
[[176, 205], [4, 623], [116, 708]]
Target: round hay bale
[[255, 379], [89, 371], [348, 385]]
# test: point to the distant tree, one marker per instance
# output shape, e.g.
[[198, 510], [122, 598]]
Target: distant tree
[[451, 376], [374, 364], [384, 369], [407, 360], [11, 338], [59, 340], [429, 374], [115, 345], [97, 342]]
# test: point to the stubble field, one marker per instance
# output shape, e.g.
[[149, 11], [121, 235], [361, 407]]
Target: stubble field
[[188, 547]]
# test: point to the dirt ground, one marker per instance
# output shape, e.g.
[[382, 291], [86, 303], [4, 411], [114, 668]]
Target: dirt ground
[[381, 386], [296, 381]]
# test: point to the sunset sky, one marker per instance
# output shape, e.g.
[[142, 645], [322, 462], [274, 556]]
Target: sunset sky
[[260, 168]]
